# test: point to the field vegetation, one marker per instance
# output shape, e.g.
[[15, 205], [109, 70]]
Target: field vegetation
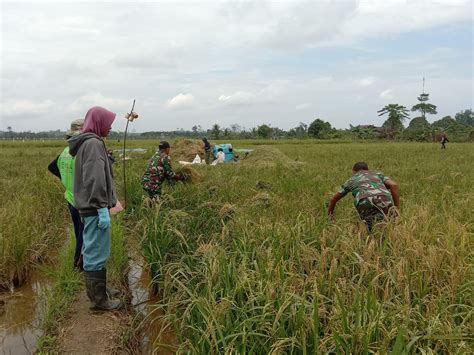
[[32, 211], [246, 260]]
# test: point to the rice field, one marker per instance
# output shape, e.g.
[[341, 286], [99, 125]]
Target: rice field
[[245, 259]]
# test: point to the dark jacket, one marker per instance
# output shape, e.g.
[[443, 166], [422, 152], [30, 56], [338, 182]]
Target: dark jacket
[[93, 177]]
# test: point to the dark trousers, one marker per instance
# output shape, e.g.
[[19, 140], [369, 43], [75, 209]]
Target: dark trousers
[[78, 231]]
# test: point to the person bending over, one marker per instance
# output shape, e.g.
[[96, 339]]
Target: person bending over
[[375, 195], [158, 170]]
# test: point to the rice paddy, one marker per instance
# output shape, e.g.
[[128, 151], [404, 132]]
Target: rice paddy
[[245, 260]]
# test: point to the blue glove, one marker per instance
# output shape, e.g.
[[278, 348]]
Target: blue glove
[[104, 218]]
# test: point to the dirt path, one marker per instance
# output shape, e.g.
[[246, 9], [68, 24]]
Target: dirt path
[[90, 333]]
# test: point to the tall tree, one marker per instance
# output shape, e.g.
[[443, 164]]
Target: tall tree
[[319, 128], [264, 131], [215, 131], [465, 117], [423, 106], [301, 130], [397, 114]]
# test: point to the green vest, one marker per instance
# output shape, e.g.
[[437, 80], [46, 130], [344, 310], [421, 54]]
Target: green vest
[[66, 168]]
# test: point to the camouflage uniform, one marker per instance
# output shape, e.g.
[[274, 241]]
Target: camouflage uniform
[[372, 200], [158, 169]]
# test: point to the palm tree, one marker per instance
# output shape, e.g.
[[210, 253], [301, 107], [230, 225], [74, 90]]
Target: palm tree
[[397, 114]]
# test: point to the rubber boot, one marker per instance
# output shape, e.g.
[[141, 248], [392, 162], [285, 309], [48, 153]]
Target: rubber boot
[[96, 282], [112, 292]]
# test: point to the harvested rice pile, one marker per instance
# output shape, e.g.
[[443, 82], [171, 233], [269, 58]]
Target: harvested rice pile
[[186, 149], [192, 175], [269, 156]]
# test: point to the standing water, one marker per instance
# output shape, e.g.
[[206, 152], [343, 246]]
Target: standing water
[[20, 316], [142, 300]]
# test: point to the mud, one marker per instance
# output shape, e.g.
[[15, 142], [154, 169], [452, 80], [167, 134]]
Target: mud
[[20, 316]]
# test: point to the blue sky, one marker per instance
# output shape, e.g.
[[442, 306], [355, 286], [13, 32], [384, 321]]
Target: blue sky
[[245, 62]]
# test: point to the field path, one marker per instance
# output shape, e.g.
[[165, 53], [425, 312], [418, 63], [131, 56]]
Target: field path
[[85, 332]]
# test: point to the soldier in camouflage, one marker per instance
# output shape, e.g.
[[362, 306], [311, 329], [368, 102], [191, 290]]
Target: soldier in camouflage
[[375, 195], [158, 170]]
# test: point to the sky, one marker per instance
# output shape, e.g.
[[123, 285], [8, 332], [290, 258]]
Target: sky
[[231, 62]]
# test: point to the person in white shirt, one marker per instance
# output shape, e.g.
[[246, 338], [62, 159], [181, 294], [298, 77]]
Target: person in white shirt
[[220, 157]]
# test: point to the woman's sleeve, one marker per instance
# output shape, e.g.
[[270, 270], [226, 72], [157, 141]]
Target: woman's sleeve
[[53, 167]]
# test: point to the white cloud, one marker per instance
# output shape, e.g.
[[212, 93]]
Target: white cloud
[[368, 81], [377, 18], [181, 101], [85, 102], [386, 94], [14, 107], [267, 94], [238, 98], [303, 106], [230, 52]]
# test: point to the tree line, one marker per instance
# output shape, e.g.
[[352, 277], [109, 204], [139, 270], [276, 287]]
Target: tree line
[[460, 128]]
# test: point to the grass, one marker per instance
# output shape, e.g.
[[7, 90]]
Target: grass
[[248, 269], [32, 210], [279, 276], [66, 283]]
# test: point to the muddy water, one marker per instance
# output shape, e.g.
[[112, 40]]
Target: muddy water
[[20, 315], [142, 299]]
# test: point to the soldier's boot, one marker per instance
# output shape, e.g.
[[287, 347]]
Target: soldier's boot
[[96, 288]]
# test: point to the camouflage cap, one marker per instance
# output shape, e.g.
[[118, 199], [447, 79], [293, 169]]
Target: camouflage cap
[[76, 127]]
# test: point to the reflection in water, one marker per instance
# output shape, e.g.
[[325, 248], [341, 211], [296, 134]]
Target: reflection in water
[[139, 283], [20, 313]]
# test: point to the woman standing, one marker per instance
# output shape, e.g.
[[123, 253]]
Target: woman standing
[[94, 195]]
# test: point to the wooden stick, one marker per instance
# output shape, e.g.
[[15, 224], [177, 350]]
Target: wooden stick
[[124, 166]]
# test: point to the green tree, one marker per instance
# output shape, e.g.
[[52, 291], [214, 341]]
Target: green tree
[[447, 123], [465, 117], [264, 131], [301, 130], [215, 131], [419, 129], [424, 107], [397, 114], [319, 128]]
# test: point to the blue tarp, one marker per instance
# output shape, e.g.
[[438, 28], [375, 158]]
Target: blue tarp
[[228, 151]]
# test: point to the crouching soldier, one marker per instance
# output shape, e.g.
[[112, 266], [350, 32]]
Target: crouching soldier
[[375, 195], [158, 170]]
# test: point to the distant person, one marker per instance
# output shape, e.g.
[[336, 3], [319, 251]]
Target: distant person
[[94, 195], [220, 158], [158, 170], [375, 195], [63, 167], [444, 140], [207, 150], [110, 155]]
